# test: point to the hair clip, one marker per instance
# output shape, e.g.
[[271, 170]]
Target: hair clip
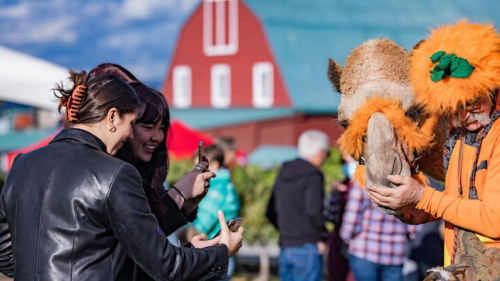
[[74, 102]]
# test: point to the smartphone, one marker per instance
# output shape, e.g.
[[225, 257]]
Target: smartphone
[[232, 224], [200, 152]]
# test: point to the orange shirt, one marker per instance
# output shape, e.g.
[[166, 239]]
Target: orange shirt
[[481, 216]]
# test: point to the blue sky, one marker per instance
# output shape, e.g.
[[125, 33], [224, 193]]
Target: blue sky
[[138, 34]]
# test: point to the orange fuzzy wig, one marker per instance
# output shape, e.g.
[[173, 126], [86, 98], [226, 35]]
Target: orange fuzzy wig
[[351, 141], [416, 138], [478, 44]]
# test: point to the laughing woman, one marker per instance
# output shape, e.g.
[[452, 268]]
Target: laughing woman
[[148, 153]]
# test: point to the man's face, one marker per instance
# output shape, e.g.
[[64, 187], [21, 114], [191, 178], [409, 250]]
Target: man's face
[[476, 115]]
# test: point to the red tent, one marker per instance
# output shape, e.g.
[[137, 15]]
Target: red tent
[[12, 155], [182, 141]]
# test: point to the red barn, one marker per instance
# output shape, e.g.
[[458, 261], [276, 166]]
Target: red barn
[[225, 78]]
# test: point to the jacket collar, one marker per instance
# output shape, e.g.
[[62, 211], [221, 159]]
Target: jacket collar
[[80, 136]]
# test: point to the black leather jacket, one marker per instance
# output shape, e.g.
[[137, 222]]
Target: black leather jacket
[[73, 212]]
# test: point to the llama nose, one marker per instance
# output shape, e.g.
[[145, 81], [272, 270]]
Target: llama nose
[[397, 168], [397, 165]]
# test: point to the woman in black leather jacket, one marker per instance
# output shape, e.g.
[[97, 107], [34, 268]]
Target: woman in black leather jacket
[[72, 211]]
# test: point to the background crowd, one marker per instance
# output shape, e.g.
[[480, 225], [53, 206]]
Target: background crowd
[[345, 237], [326, 228]]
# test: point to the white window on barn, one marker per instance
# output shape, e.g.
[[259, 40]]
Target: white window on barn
[[220, 85], [262, 85], [182, 86], [220, 27]]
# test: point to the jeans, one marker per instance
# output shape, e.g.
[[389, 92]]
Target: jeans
[[301, 263], [368, 271]]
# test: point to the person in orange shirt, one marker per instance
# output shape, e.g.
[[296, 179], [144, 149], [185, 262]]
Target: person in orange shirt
[[456, 71]]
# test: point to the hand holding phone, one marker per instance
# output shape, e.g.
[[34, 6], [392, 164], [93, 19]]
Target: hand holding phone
[[232, 224], [232, 240]]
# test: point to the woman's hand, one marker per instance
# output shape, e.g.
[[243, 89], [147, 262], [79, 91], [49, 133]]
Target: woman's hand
[[194, 183], [233, 240], [200, 241], [193, 186]]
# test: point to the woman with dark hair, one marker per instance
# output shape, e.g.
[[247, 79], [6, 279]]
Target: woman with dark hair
[[148, 153], [65, 210], [108, 68]]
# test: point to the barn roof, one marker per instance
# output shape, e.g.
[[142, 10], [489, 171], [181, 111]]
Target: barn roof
[[304, 34], [205, 118]]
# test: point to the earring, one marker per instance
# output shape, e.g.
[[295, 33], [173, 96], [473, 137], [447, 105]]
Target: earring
[[111, 128]]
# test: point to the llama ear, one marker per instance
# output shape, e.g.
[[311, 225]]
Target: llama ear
[[334, 73], [416, 46], [456, 267]]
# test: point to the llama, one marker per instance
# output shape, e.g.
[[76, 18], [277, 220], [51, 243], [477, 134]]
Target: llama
[[386, 130]]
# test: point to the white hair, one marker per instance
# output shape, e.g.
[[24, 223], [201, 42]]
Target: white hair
[[482, 117], [311, 142]]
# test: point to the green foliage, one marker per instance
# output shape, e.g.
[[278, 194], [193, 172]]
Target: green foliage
[[332, 169], [177, 170], [254, 186]]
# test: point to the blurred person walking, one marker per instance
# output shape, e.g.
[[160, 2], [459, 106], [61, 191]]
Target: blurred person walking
[[296, 209], [377, 241], [338, 259], [220, 196]]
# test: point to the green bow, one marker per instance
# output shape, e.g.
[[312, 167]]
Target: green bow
[[451, 65]]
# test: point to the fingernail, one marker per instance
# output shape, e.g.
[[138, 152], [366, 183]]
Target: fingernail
[[214, 174], [220, 213]]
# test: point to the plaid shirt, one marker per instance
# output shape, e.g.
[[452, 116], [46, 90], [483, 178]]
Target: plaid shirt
[[371, 234]]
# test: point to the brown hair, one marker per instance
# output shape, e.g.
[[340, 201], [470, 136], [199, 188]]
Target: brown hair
[[102, 94], [214, 153], [112, 69]]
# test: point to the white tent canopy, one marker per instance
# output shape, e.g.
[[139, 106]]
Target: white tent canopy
[[28, 80]]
